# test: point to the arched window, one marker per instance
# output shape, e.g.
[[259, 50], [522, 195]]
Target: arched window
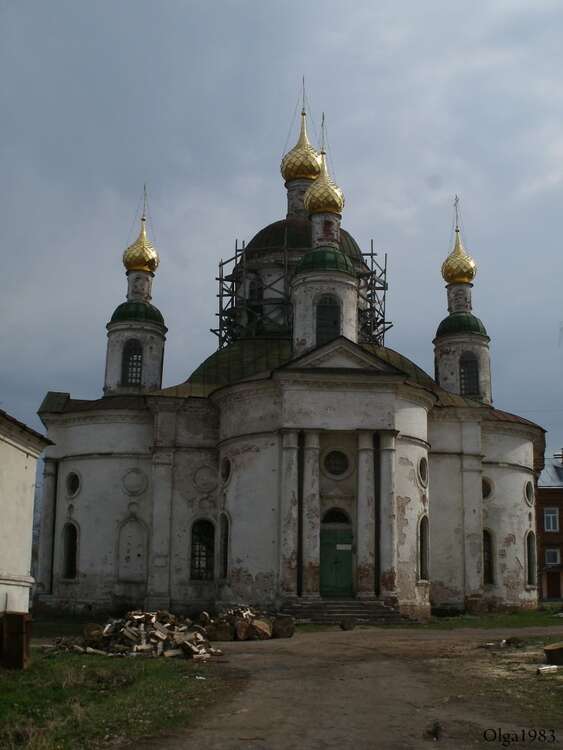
[[531, 559], [488, 566], [70, 550], [224, 546], [132, 363], [423, 574], [335, 515], [468, 375], [328, 319], [203, 551]]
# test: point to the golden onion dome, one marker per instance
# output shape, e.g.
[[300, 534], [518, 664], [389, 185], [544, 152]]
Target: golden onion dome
[[303, 161], [459, 267], [141, 255], [324, 195]]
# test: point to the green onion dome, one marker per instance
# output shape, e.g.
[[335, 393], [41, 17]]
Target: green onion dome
[[461, 322], [325, 258], [140, 311]]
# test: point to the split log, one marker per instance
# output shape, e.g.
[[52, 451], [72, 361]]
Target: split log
[[220, 631], [261, 629], [283, 627], [171, 653], [242, 630]]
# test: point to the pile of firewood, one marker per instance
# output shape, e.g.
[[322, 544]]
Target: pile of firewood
[[164, 634]]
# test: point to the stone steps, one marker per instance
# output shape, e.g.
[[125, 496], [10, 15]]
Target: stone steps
[[333, 611]]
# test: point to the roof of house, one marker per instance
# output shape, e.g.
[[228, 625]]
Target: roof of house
[[22, 426], [552, 474]]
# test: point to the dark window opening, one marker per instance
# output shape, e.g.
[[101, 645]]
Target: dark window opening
[[132, 364], [423, 549], [469, 375], [70, 550], [335, 515], [224, 546], [336, 463], [328, 319], [488, 569], [531, 559], [203, 551]]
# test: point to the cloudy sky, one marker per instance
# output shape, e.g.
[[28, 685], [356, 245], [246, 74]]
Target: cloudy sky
[[422, 100]]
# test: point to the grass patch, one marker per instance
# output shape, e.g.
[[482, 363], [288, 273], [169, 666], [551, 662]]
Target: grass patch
[[68, 701], [522, 619]]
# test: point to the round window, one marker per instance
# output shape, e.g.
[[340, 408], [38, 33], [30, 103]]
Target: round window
[[336, 463], [529, 492], [225, 469], [487, 488], [423, 471], [72, 483]]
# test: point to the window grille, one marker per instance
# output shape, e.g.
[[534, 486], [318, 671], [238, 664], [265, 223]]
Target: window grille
[[488, 570], [132, 367], [203, 551], [469, 375], [328, 319]]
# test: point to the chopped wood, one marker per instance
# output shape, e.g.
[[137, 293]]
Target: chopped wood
[[554, 653], [173, 652]]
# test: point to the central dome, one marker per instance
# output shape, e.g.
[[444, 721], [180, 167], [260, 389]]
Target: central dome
[[296, 233]]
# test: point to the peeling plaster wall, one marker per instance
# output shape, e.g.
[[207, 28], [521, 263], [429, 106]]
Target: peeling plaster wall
[[251, 499], [152, 338], [339, 493], [98, 510], [411, 501], [508, 466]]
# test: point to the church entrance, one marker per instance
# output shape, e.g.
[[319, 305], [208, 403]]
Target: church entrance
[[336, 554]]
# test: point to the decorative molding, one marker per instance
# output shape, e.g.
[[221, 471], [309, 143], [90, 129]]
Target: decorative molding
[[205, 478], [134, 482]]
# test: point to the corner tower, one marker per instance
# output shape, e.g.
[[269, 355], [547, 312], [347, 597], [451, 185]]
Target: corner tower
[[324, 289], [136, 331], [461, 347]]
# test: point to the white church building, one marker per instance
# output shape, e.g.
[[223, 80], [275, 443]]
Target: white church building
[[303, 462]]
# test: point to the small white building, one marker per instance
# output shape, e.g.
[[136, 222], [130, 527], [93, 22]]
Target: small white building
[[20, 447], [303, 460]]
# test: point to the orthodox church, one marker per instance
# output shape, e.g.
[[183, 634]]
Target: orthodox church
[[303, 462]]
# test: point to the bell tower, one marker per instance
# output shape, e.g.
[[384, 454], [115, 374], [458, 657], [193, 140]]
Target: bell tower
[[136, 331], [461, 347]]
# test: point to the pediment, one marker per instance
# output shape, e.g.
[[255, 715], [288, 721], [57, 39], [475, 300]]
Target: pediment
[[342, 355]]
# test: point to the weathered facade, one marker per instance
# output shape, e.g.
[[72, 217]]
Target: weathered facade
[[301, 461], [550, 529], [20, 447]]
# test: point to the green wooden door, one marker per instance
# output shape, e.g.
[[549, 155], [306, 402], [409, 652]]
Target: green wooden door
[[336, 562]]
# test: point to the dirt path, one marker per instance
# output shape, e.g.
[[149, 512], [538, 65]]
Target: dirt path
[[361, 689]]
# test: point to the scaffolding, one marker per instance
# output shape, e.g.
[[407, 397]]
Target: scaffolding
[[250, 307]]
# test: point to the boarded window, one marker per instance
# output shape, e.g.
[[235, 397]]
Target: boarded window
[[423, 549], [488, 569], [224, 546], [328, 319], [531, 559], [469, 375], [132, 560], [132, 363], [70, 550], [203, 551]]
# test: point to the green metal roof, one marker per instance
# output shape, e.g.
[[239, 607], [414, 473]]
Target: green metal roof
[[461, 322], [296, 232], [325, 258], [137, 311]]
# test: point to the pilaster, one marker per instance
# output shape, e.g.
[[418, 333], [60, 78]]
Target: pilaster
[[388, 516], [311, 516], [289, 508], [365, 533]]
